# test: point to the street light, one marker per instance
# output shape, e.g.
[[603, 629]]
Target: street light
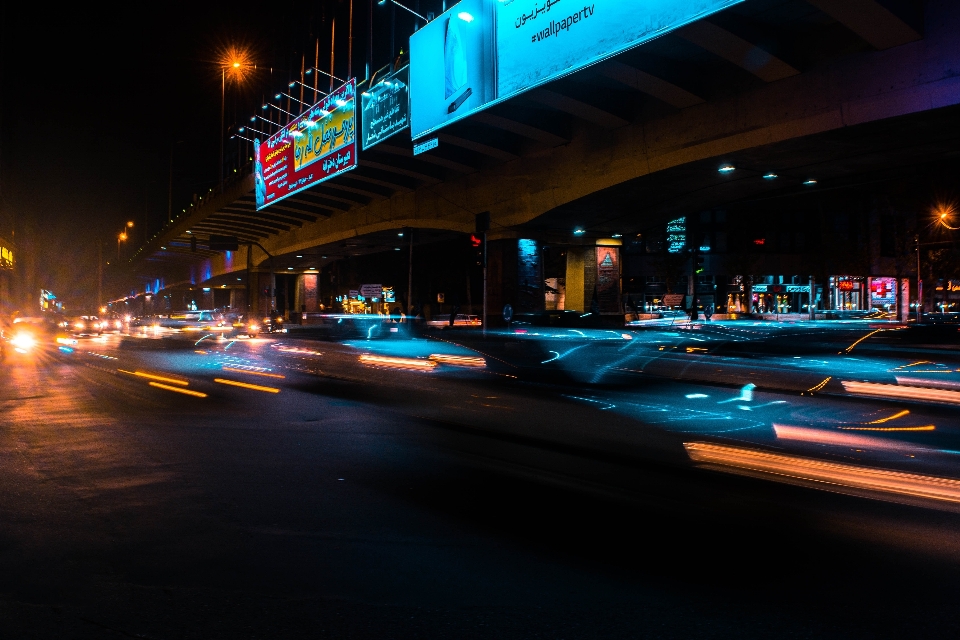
[[237, 62], [945, 212], [122, 238], [382, 2]]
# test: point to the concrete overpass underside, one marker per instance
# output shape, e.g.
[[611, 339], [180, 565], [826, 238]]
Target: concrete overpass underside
[[838, 91]]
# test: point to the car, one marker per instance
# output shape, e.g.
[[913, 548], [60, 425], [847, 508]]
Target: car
[[461, 320], [31, 337], [84, 326]]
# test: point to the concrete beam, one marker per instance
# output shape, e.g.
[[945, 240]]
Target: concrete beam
[[649, 84], [577, 108], [440, 161], [870, 20], [519, 128], [478, 147], [735, 49]]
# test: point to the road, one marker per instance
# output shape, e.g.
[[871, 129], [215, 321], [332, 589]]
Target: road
[[335, 496]]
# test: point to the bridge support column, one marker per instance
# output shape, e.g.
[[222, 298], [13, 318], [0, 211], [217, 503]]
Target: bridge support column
[[514, 277]]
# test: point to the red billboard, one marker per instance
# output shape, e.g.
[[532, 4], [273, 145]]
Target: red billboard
[[315, 146]]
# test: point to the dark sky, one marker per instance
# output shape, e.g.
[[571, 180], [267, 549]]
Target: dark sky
[[92, 99]]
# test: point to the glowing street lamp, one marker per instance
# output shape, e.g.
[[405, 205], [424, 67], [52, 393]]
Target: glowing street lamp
[[945, 213], [236, 61]]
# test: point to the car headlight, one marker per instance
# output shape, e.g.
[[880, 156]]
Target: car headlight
[[23, 341], [254, 327]]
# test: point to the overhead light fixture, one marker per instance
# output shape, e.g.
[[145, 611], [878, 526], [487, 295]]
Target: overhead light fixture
[[299, 256], [769, 176], [727, 168], [579, 231], [466, 17], [810, 182], [617, 235]]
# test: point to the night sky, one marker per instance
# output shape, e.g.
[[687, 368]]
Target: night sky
[[93, 100]]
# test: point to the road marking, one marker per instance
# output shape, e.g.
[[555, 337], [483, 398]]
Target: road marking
[[189, 392], [245, 385]]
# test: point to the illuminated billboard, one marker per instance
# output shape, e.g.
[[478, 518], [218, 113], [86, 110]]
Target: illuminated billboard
[[313, 147], [384, 109], [484, 51]]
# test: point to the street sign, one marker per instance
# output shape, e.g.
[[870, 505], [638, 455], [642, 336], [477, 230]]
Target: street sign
[[673, 299], [371, 290]]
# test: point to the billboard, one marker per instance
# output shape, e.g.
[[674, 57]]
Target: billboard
[[384, 109], [313, 147], [484, 51]]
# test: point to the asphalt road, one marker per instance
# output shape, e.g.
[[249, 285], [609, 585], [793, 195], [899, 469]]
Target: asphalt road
[[350, 500]]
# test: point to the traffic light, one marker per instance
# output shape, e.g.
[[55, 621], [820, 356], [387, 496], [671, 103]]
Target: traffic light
[[698, 260], [476, 244]]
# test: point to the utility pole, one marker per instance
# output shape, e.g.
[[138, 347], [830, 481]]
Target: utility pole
[[410, 276], [919, 282], [99, 274]]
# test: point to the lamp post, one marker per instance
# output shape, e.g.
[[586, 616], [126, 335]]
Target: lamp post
[[235, 61], [122, 238]]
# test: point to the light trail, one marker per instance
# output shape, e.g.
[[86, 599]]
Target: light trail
[[255, 373], [393, 362], [458, 361], [899, 414], [877, 389], [152, 376], [246, 385], [822, 436], [827, 475], [188, 392]]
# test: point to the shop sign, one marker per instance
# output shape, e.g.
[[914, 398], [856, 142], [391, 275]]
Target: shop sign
[[673, 299], [371, 290], [608, 279], [354, 293], [883, 290]]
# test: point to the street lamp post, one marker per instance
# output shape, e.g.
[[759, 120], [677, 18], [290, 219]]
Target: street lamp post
[[121, 238]]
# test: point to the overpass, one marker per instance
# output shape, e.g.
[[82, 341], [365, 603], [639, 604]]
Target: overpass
[[815, 92]]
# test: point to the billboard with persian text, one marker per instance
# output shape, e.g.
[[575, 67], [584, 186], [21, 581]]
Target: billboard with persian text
[[481, 52], [384, 109], [315, 146]]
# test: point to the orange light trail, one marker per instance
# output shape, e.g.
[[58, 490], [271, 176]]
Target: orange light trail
[[899, 414], [246, 385], [189, 392], [410, 364], [903, 392], [255, 373], [850, 348], [818, 387], [459, 361], [926, 427], [821, 436], [792, 468], [151, 376]]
